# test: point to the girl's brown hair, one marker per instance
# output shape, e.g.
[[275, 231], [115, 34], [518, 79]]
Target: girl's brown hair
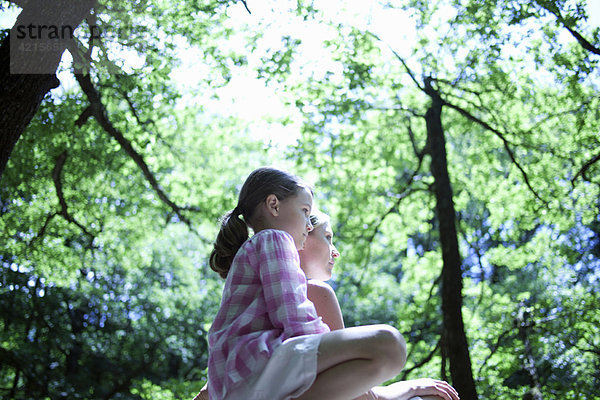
[[234, 224]]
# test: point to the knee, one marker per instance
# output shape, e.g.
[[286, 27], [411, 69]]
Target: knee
[[391, 347]]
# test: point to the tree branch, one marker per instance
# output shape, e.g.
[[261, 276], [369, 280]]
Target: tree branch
[[148, 121], [246, 5], [582, 172], [518, 324], [42, 231], [494, 349], [479, 256], [400, 108], [394, 208], [98, 111], [580, 39], [420, 154], [64, 211], [85, 115], [454, 85], [408, 70], [506, 143], [404, 193], [56, 173], [424, 361], [134, 111]]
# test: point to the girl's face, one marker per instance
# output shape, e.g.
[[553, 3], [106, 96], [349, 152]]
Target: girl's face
[[319, 254], [293, 216]]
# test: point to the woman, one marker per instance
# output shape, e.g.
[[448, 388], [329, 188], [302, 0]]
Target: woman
[[317, 260]]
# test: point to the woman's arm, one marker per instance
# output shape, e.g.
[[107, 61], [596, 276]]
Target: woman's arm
[[421, 389], [326, 303]]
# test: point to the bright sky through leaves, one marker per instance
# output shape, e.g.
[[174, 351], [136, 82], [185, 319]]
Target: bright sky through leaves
[[249, 98]]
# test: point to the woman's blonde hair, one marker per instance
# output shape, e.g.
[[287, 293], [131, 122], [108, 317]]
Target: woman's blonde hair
[[318, 218]]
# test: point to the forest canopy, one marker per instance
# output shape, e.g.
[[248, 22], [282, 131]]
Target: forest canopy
[[455, 145]]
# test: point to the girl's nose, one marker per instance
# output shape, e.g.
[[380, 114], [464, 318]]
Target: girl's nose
[[309, 226]]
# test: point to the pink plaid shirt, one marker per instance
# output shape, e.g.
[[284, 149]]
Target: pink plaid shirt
[[264, 303]]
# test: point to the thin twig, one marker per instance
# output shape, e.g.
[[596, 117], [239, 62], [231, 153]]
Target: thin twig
[[246, 5], [506, 143], [42, 231], [424, 361], [408, 70], [582, 172], [64, 211]]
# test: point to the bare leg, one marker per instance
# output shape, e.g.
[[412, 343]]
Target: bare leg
[[353, 360]]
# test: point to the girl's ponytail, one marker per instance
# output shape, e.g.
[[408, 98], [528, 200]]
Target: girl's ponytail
[[233, 233]]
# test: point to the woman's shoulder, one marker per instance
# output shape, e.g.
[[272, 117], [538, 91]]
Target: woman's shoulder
[[320, 288]]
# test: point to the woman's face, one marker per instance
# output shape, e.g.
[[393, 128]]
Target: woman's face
[[319, 254]]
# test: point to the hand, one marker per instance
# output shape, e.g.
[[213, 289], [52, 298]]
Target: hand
[[404, 390]]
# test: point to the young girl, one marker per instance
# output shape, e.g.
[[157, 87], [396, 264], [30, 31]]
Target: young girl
[[317, 260], [267, 341]]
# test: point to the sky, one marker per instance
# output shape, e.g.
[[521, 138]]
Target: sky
[[263, 103], [394, 27]]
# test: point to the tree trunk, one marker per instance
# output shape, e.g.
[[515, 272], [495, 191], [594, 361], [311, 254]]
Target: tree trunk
[[523, 322], [39, 38], [454, 338]]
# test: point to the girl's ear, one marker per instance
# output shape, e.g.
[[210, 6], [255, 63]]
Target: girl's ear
[[272, 203]]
